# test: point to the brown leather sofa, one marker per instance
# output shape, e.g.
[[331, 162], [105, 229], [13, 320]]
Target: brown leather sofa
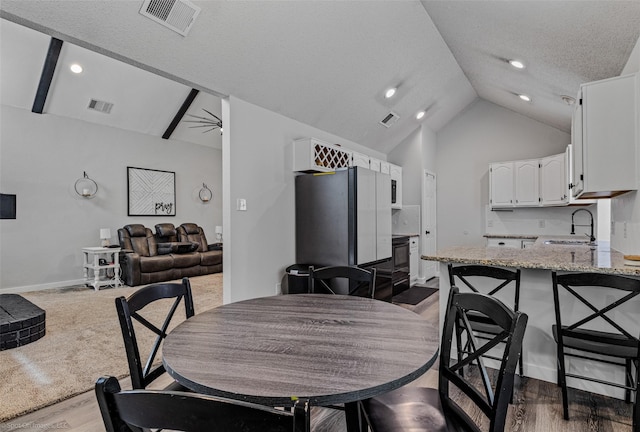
[[168, 254]]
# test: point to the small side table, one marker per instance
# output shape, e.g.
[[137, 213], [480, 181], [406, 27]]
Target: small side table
[[95, 274]]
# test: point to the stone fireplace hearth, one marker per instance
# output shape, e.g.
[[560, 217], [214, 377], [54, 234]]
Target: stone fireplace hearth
[[21, 322]]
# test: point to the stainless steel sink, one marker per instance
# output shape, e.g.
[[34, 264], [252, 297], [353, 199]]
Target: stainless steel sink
[[568, 242]]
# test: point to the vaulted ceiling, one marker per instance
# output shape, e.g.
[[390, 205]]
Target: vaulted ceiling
[[326, 64]]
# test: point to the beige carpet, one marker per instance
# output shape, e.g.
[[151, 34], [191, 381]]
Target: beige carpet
[[82, 343]]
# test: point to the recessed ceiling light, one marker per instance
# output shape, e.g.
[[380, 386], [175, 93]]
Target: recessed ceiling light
[[525, 98], [516, 64], [420, 115], [76, 68], [390, 92]]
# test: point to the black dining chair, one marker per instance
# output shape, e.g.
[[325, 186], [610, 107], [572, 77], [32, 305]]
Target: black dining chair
[[425, 409], [138, 410], [491, 281], [360, 282], [577, 338], [129, 310]]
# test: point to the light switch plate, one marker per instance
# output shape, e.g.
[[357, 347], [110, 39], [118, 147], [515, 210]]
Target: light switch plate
[[241, 204]]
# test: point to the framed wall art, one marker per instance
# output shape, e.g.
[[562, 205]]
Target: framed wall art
[[151, 192]]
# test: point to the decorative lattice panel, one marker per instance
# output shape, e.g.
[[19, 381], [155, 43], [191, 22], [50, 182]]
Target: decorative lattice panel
[[328, 157]]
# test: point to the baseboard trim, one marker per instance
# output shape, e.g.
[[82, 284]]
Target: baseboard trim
[[40, 287]]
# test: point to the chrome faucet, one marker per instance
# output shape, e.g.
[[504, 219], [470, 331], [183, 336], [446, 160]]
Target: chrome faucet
[[574, 225]]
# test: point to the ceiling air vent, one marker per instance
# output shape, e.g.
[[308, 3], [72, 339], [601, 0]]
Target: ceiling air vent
[[178, 15], [101, 106], [389, 119]]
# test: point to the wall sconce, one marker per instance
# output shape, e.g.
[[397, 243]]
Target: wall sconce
[[85, 186], [205, 194], [105, 237], [219, 233]]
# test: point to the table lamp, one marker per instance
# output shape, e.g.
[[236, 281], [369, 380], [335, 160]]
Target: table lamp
[[105, 236], [219, 233]]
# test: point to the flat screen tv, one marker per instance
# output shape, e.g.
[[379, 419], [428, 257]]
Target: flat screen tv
[[7, 206]]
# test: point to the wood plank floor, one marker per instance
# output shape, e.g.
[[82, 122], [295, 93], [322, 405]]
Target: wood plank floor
[[537, 407]]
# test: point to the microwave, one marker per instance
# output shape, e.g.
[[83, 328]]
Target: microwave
[[394, 187]]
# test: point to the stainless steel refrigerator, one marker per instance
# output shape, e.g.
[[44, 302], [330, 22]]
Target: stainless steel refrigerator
[[343, 218]]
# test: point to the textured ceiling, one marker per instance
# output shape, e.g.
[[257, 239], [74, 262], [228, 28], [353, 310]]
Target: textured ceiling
[[142, 102], [327, 64], [562, 43]]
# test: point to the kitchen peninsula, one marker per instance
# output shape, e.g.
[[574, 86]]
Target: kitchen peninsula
[[560, 254]]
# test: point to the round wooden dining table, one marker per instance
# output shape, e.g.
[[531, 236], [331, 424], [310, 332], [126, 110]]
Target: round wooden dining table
[[329, 349]]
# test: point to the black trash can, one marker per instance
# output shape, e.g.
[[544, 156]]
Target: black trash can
[[297, 279]]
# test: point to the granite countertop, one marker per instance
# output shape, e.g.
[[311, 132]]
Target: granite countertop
[[512, 236], [583, 258]]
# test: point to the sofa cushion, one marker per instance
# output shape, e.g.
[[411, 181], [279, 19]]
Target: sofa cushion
[[166, 229], [186, 260], [190, 232], [156, 263], [136, 230], [191, 228], [210, 258]]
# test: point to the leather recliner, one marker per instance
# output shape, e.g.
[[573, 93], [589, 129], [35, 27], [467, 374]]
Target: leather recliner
[[147, 258], [210, 255]]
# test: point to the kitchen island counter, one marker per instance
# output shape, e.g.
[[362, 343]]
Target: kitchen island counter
[[536, 298], [559, 257]]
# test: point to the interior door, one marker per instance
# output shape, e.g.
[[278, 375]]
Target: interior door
[[428, 241]]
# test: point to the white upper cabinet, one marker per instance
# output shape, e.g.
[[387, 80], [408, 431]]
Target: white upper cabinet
[[310, 154], [568, 167], [501, 184], [396, 186], [385, 167], [606, 134], [360, 160], [526, 183], [553, 180]]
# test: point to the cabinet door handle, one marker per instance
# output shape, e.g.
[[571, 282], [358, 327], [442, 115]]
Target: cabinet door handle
[[427, 232], [501, 244]]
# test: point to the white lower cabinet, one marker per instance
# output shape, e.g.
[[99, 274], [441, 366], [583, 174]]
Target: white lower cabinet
[[505, 242], [414, 259]]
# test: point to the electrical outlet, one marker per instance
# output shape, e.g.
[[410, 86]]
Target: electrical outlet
[[541, 223], [490, 223], [241, 204], [624, 229], [278, 288]]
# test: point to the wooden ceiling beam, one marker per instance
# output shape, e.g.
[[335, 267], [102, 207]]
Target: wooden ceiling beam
[[48, 70], [181, 112]]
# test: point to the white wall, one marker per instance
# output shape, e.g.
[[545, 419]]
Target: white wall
[[481, 134], [414, 154], [625, 209], [41, 157], [258, 163]]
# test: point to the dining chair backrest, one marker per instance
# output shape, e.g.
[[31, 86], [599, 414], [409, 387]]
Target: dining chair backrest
[[414, 408], [487, 280], [497, 278], [492, 400], [138, 410], [129, 310], [360, 282], [598, 331]]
